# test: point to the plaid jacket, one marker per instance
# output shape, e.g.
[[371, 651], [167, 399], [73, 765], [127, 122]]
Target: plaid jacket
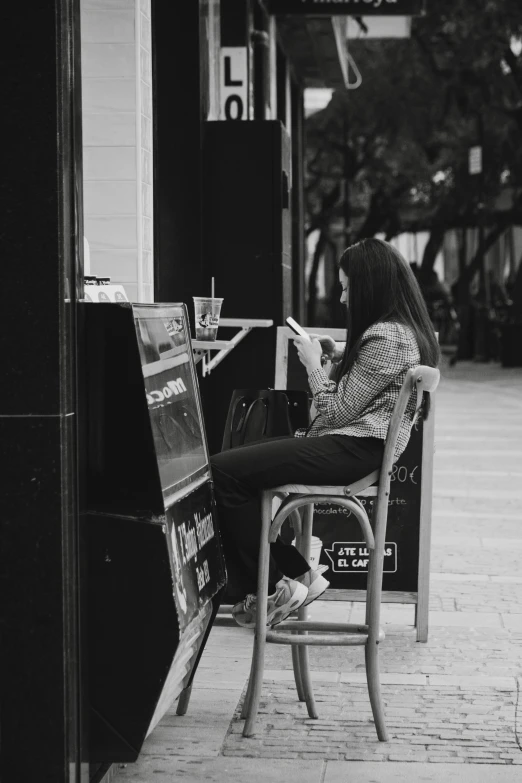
[[361, 404]]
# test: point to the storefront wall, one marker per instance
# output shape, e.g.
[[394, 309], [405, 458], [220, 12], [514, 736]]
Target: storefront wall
[[121, 233], [117, 142], [40, 722]]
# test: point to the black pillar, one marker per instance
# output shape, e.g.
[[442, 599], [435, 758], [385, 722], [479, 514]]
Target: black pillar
[[298, 206], [40, 244], [177, 102]]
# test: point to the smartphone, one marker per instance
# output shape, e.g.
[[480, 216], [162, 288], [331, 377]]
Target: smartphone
[[297, 329]]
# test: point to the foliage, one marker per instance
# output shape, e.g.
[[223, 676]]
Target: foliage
[[401, 140]]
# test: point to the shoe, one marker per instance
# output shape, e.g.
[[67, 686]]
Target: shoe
[[289, 596], [315, 582]]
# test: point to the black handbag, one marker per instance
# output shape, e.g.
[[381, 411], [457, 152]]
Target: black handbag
[[257, 414]]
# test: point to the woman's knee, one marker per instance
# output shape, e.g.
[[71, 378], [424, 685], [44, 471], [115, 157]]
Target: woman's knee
[[229, 489]]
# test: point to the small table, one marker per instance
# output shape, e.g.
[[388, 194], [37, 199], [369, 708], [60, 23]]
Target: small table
[[203, 348]]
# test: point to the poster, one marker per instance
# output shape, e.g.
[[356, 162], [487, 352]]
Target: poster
[[193, 536]]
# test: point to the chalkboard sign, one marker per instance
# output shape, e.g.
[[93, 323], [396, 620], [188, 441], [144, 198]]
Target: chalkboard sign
[[406, 560], [343, 546]]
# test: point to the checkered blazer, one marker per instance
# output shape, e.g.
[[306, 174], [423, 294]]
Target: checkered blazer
[[361, 404]]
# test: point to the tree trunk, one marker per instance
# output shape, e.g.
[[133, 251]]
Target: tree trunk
[[312, 280], [431, 250], [466, 312], [463, 249], [474, 266], [375, 217]]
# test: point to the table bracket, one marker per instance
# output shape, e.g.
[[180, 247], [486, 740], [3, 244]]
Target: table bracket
[[203, 348]]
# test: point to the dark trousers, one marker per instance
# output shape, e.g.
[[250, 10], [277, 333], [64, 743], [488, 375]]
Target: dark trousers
[[239, 475]]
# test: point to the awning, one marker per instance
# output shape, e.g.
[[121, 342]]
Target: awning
[[316, 48]]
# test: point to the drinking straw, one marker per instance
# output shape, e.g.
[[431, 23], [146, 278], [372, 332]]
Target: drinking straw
[[212, 288]]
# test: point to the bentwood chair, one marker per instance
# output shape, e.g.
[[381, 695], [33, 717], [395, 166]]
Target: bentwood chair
[[300, 632]]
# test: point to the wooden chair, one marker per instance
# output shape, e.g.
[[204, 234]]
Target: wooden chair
[[300, 632]]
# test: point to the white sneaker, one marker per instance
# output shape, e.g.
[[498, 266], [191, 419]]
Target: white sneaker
[[289, 595], [315, 582]]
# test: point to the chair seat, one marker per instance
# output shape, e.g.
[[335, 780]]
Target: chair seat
[[358, 487]]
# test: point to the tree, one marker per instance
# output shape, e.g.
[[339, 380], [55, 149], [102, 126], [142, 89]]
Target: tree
[[403, 137]]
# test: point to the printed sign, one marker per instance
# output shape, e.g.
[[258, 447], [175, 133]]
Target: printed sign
[[198, 571], [475, 160], [234, 82], [105, 293], [347, 7], [349, 557]]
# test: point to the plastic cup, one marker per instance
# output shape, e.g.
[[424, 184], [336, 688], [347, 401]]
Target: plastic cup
[[206, 315], [316, 547]]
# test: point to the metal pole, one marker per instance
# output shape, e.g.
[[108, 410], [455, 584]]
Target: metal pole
[[346, 173]]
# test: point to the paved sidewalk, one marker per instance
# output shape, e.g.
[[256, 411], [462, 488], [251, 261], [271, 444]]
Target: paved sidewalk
[[453, 705]]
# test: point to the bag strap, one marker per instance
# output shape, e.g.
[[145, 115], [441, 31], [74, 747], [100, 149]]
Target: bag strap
[[249, 414], [239, 400]]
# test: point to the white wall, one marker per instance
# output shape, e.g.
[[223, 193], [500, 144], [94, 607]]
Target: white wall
[[117, 141]]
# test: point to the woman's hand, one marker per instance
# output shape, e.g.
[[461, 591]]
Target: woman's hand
[[332, 351], [309, 352]]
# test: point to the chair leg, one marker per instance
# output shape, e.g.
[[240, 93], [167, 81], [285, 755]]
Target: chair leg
[[297, 673], [183, 701], [306, 680], [371, 655], [258, 660], [304, 664], [248, 694], [298, 530]]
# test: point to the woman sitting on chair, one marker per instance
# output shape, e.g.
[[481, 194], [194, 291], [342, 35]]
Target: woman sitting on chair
[[388, 332]]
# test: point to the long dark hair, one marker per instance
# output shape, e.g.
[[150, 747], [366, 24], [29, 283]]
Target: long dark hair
[[382, 287]]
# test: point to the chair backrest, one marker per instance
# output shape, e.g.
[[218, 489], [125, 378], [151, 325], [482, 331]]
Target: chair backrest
[[418, 379]]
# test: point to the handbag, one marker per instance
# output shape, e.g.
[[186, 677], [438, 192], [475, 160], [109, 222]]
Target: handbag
[[258, 414]]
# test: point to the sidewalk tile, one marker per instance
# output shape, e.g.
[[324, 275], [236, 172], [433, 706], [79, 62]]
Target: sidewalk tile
[[463, 680], [388, 678], [224, 768], [503, 543], [466, 619], [454, 513], [445, 577], [449, 540], [417, 772], [512, 621], [284, 675]]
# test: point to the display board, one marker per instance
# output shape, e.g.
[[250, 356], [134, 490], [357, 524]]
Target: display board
[[406, 561], [154, 566], [195, 551]]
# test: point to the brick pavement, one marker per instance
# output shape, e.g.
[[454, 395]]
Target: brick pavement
[[451, 704], [453, 724]]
